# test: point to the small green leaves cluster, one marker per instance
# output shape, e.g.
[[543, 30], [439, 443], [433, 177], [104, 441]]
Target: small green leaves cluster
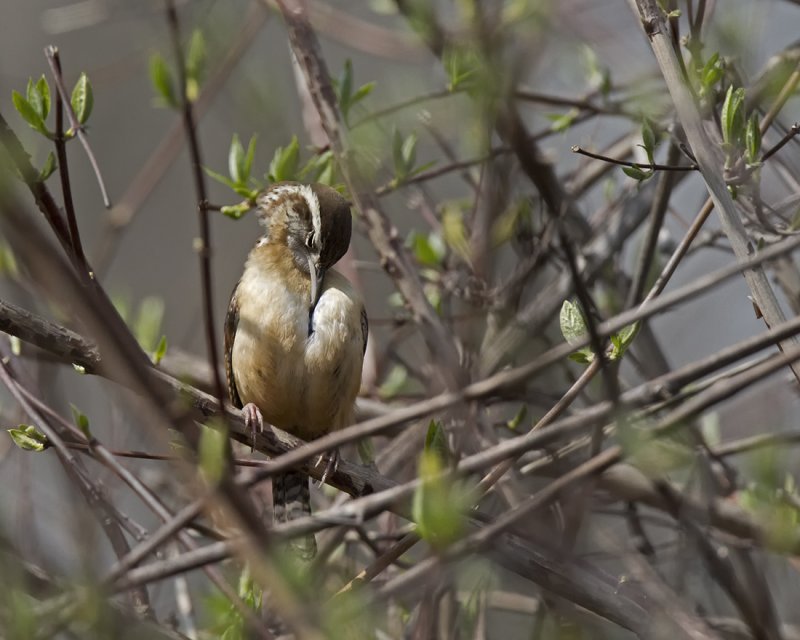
[[404, 157], [739, 133], [573, 328], [161, 76], [649, 143], [705, 76], [34, 107], [439, 502], [29, 438], [463, 67], [347, 97], [285, 165], [240, 165]]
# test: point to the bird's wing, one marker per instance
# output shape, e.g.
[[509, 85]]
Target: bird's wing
[[364, 329], [231, 323]]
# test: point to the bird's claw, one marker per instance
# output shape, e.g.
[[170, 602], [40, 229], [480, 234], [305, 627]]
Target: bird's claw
[[253, 421], [331, 467]]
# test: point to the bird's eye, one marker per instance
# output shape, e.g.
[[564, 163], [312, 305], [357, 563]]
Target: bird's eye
[[310, 239]]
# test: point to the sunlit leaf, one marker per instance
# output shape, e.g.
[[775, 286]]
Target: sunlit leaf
[[82, 99], [28, 113], [28, 438]]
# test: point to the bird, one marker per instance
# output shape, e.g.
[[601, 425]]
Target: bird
[[296, 331]]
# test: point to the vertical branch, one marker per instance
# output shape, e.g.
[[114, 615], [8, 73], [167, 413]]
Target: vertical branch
[[204, 250], [60, 142]]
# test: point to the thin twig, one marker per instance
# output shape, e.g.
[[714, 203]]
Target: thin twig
[[51, 52], [204, 246]]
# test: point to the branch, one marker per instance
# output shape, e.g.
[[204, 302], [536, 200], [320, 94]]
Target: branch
[[708, 160]]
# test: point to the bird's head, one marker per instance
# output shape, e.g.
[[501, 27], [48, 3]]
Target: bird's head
[[313, 221]]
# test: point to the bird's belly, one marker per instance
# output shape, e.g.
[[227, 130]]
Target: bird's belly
[[304, 384]]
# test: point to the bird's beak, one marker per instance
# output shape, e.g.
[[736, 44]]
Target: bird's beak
[[317, 274]]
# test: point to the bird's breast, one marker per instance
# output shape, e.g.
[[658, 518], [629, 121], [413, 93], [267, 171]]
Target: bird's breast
[[305, 383]]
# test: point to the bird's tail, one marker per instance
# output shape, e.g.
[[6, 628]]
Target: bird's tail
[[291, 499]]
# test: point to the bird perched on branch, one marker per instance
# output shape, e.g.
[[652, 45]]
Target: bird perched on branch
[[296, 330]]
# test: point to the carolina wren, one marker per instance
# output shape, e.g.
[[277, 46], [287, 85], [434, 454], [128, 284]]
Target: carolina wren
[[296, 330]]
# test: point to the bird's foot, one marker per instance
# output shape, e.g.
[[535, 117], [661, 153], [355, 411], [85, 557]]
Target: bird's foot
[[253, 421], [331, 467]]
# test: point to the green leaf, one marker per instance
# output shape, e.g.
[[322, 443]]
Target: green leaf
[[236, 161], [161, 350], [637, 173], [345, 85], [249, 156], [753, 139], [397, 154], [48, 168], [319, 168], [518, 418], [220, 178], [43, 89], [161, 78], [38, 95], [462, 66], [428, 250], [8, 262], [649, 139], [622, 340], [409, 152], [733, 116], [245, 192], [439, 503], [562, 121], [582, 356], [712, 72], [211, 452], [196, 59], [147, 325], [572, 323], [394, 383], [28, 438], [284, 163], [235, 211], [436, 441], [347, 97], [82, 99], [28, 113], [454, 231], [362, 92], [80, 420]]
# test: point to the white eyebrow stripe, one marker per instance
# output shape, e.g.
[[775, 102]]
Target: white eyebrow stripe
[[313, 204]]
